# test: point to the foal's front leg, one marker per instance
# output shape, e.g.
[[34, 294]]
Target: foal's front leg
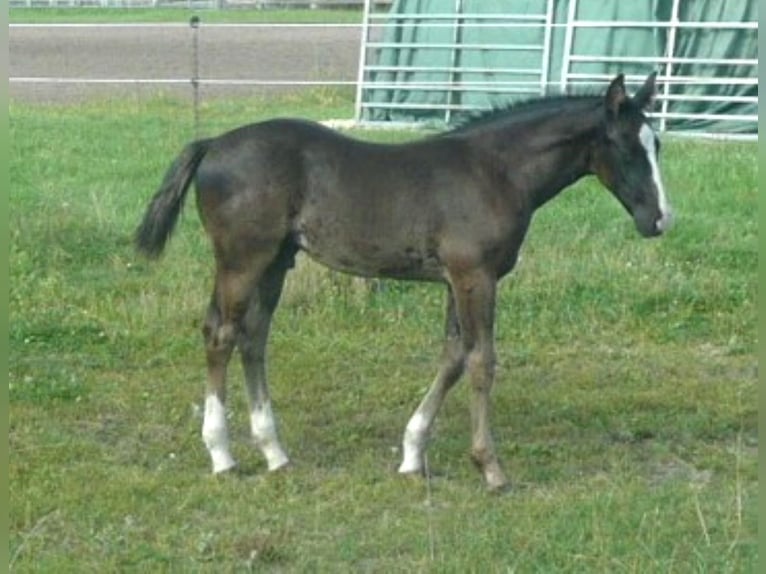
[[475, 301]]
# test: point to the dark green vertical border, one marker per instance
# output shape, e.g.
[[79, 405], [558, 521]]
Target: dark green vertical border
[[5, 286], [761, 317]]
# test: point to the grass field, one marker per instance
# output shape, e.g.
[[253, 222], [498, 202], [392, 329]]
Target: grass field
[[625, 407]]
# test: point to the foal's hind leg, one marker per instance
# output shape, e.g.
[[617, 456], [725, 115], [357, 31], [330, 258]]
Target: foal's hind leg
[[219, 344], [251, 341], [233, 289], [419, 425]]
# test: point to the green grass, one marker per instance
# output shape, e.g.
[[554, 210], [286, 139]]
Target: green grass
[[132, 15], [624, 409]]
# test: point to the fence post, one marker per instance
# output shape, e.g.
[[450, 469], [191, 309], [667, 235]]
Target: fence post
[[670, 54], [194, 23], [360, 77], [457, 39]]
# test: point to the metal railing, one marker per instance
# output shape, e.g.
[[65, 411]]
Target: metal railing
[[677, 85], [379, 22], [672, 81]]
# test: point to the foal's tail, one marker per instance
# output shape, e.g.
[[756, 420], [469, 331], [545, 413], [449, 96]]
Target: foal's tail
[[161, 215]]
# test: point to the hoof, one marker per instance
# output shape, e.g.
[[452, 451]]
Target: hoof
[[502, 487], [228, 471], [493, 474], [420, 474], [412, 475], [413, 468], [222, 460], [496, 481], [282, 467]]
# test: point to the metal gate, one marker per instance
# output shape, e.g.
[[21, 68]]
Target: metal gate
[[706, 95], [684, 80], [451, 27]]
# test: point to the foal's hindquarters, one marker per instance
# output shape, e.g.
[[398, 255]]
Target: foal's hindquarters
[[247, 222]]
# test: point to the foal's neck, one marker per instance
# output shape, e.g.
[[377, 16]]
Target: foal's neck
[[547, 154]]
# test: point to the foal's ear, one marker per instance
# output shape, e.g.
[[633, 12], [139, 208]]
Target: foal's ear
[[615, 96], [647, 94]]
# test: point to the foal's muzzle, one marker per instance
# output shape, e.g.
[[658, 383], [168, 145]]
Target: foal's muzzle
[[654, 223], [664, 223]]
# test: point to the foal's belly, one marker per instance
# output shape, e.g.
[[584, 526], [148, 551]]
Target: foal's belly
[[369, 255]]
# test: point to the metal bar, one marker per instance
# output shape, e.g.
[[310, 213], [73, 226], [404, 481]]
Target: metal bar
[[447, 69], [702, 116], [179, 25], [178, 81], [547, 34], [53, 80], [721, 99], [668, 60], [464, 89], [454, 58], [493, 87], [659, 24], [510, 88], [447, 46], [679, 80], [714, 136], [194, 23], [415, 106], [362, 60], [568, 43], [466, 15], [671, 49], [442, 24]]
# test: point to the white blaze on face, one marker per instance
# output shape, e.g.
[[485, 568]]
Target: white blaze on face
[[647, 137], [215, 434]]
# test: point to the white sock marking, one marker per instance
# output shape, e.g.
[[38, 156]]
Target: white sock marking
[[646, 136], [415, 436], [264, 430], [215, 434]]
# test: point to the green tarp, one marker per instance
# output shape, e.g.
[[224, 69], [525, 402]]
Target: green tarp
[[626, 42]]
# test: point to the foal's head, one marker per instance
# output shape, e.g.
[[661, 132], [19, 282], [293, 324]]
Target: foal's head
[[626, 158]]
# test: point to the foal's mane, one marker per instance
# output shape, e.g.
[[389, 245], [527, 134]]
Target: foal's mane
[[528, 109]]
